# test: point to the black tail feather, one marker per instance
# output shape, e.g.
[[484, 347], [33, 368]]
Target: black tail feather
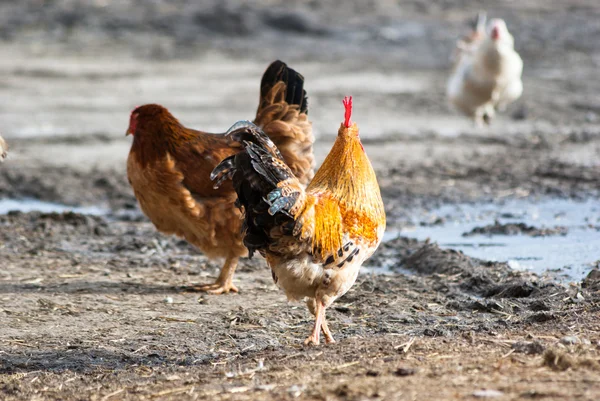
[[295, 93], [256, 173], [224, 171]]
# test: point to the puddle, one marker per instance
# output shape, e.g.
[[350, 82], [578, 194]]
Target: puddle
[[568, 257], [31, 205]]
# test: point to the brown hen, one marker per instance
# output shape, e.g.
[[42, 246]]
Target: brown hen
[[169, 169]]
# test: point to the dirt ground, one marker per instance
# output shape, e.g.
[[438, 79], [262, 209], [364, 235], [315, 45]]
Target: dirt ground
[[97, 307]]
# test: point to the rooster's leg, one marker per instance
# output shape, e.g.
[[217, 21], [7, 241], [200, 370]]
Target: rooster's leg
[[326, 332], [313, 339], [311, 303], [224, 283]]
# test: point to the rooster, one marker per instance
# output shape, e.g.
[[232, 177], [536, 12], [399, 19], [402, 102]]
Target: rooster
[[313, 239], [487, 77], [169, 169], [3, 149]]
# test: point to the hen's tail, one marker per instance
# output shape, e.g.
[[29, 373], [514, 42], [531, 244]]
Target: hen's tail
[[282, 114], [294, 91], [479, 22], [267, 189]]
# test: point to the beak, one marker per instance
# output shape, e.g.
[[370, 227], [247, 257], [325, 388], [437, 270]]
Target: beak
[[128, 132]]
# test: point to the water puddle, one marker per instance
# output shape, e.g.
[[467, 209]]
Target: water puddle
[[31, 205], [566, 257]]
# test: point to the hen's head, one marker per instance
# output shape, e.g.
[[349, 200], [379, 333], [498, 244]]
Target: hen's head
[[498, 32], [148, 119]]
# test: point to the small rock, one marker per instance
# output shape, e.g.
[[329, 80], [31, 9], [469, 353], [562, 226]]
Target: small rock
[[539, 305], [578, 298], [529, 348], [296, 391], [342, 308], [570, 340], [405, 372], [540, 317], [592, 280], [168, 300], [594, 274], [487, 393]]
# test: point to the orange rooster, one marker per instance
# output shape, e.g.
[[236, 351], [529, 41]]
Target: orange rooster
[[169, 168], [3, 149], [314, 239]]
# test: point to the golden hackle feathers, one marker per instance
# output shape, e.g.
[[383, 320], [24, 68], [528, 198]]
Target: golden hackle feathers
[[346, 196]]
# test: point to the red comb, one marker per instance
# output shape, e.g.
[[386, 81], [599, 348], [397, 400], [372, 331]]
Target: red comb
[[348, 105]]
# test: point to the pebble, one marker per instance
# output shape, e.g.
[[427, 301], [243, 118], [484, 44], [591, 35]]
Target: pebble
[[487, 393], [405, 371], [570, 340], [296, 391]]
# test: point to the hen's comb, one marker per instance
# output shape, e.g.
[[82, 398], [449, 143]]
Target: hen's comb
[[348, 105]]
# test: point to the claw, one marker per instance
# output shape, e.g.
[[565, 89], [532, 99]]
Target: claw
[[327, 333], [312, 339], [214, 289], [329, 340]]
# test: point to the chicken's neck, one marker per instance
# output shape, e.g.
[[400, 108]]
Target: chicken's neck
[[495, 58], [346, 172], [347, 178]]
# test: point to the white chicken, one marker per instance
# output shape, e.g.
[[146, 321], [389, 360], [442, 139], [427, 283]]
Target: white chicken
[[487, 75]]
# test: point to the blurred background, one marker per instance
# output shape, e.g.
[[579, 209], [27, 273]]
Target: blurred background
[[74, 69]]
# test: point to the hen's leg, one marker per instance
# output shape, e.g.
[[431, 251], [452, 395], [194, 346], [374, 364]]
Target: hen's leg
[[311, 303], [224, 283]]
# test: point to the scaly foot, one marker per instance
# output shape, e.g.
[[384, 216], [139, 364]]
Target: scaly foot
[[214, 289], [313, 339], [328, 338]]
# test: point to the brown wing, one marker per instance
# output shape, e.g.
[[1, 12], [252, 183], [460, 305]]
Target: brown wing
[[210, 223], [266, 188], [282, 114], [197, 158]]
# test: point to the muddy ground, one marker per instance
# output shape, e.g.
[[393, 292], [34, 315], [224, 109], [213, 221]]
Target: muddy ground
[[96, 307]]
